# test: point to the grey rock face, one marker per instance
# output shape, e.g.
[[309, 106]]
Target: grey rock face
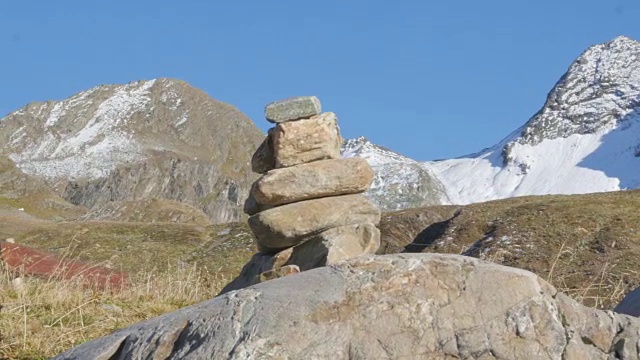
[[293, 108], [16, 185], [149, 139], [416, 306], [289, 225]]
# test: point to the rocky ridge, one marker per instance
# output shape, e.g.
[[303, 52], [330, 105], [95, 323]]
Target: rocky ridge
[[399, 182], [149, 139], [142, 133], [601, 88], [590, 117]]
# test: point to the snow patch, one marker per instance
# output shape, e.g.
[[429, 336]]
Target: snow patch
[[55, 114], [183, 119], [554, 166], [97, 148], [17, 136]]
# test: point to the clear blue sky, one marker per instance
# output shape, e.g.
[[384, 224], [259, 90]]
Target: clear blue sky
[[429, 79]]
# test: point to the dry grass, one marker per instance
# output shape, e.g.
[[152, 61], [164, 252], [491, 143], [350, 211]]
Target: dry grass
[[587, 246], [170, 266], [45, 317], [603, 291], [149, 247]]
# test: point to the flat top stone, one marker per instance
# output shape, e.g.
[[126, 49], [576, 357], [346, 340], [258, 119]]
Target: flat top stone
[[293, 108]]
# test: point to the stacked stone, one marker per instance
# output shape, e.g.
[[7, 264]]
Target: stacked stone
[[307, 209]]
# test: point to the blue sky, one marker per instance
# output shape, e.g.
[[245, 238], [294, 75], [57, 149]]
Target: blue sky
[[429, 79]]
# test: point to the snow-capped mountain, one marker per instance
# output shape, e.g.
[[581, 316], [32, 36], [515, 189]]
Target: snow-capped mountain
[[399, 182], [164, 139], [159, 138], [586, 138]]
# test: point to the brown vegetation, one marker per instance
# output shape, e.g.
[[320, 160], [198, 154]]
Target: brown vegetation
[[588, 246], [43, 317]]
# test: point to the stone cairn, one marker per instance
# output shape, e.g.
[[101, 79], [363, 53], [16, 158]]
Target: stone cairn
[[307, 210]]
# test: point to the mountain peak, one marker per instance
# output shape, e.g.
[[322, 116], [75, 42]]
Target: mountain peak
[[112, 125], [622, 41], [355, 147], [584, 139], [127, 141], [600, 89]]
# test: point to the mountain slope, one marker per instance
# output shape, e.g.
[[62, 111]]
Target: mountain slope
[[585, 139], [399, 182], [148, 139], [26, 198], [587, 245], [148, 211]]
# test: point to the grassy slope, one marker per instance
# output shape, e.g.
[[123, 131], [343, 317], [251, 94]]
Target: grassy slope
[[170, 266], [26, 203], [586, 245], [135, 247], [42, 318], [149, 211]]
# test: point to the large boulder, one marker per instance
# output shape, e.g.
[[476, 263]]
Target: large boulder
[[313, 180], [303, 141], [289, 225], [411, 306]]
